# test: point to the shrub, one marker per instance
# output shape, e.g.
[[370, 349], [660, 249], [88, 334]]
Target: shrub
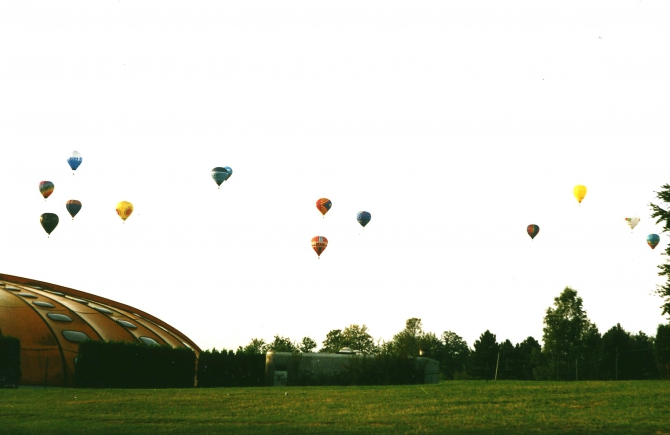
[[10, 361], [113, 364], [228, 369]]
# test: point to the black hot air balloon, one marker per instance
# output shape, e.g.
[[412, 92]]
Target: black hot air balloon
[[49, 222]]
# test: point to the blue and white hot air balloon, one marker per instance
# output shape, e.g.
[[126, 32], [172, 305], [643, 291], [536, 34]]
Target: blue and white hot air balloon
[[74, 161]]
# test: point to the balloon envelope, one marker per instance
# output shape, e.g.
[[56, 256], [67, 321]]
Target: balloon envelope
[[75, 160], [319, 244], [632, 222], [49, 222], [323, 205], [580, 192], [363, 218], [124, 209], [221, 174], [73, 206], [652, 240], [46, 188], [533, 230]]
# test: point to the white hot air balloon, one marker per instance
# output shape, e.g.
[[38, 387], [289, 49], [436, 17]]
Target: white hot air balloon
[[632, 221]]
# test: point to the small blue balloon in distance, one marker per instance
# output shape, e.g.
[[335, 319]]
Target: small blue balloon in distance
[[74, 161], [220, 174], [652, 240], [363, 218]]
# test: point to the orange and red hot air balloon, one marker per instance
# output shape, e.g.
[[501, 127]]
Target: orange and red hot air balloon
[[319, 244], [323, 205]]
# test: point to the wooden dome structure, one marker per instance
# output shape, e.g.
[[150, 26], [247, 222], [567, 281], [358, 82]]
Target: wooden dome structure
[[51, 321]]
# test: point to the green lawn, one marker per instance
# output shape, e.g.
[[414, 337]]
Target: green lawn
[[450, 407]]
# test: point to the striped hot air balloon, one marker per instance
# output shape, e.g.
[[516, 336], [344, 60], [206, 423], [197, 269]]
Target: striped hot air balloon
[[533, 230], [319, 244], [46, 189]]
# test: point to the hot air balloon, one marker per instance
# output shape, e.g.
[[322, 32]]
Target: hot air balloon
[[124, 209], [652, 240], [632, 222], [363, 218], [73, 206], [221, 174], [49, 222], [319, 244], [46, 188], [580, 192], [323, 205], [532, 230], [74, 161]]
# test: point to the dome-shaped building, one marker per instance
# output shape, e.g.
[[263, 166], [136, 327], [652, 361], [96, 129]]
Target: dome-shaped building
[[51, 321]]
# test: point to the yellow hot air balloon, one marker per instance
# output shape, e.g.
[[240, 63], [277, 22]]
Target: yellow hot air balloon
[[124, 209], [580, 192]]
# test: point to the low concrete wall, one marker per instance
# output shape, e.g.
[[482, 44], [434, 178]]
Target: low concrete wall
[[280, 366]]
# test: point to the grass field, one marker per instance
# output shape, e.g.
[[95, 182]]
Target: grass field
[[456, 407]]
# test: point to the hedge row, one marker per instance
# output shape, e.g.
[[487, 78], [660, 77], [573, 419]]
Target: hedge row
[[228, 369], [10, 361], [113, 364]]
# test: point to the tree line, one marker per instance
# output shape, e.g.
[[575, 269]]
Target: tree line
[[574, 349]]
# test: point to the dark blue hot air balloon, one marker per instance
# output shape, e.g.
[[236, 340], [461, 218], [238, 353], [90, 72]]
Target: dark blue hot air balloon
[[363, 217], [73, 206], [221, 174], [652, 240]]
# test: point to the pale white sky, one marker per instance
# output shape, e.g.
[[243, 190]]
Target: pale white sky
[[455, 124]]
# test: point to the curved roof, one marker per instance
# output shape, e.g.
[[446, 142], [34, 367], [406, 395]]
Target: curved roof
[[51, 321]]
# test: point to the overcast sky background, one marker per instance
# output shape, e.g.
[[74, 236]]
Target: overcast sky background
[[455, 124]]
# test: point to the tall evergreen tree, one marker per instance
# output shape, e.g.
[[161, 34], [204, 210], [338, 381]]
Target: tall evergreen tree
[[507, 367], [662, 214], [524, 355], [482, 363], [615, 347], [642, 356]]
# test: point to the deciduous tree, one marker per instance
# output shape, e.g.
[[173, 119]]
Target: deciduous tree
[[566, 333], [282, 344], [307, 345], [455, 356]]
